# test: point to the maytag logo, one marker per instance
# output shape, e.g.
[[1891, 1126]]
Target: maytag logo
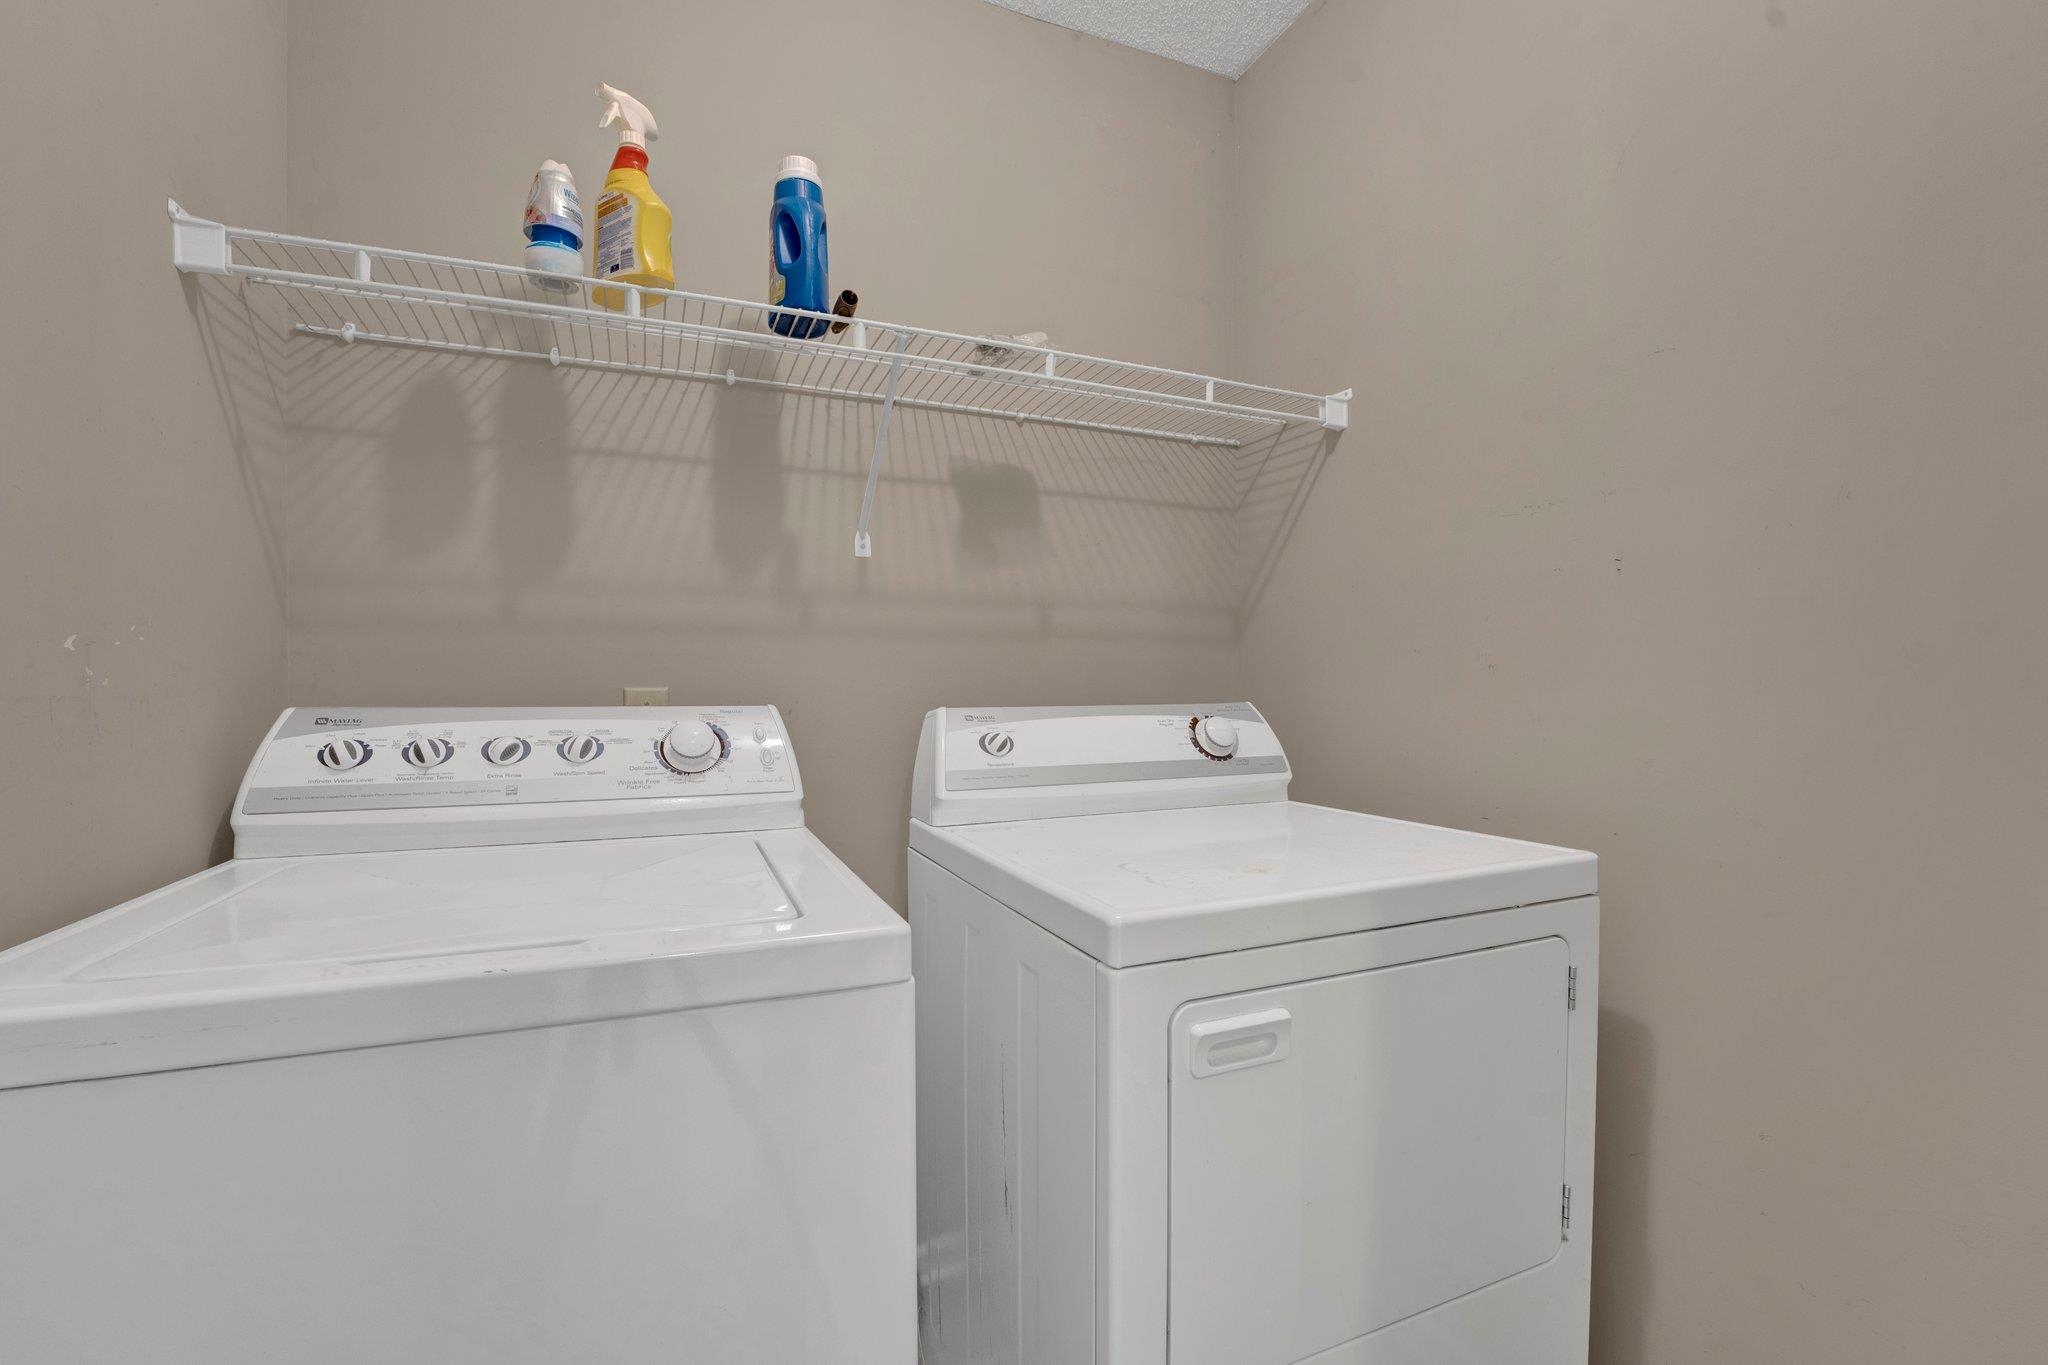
[[337, 720]]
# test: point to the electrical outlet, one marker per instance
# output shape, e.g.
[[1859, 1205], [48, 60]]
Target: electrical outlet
[[647, 696]]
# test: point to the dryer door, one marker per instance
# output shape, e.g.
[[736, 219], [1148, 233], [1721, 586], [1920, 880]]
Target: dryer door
[[1351, 1151]]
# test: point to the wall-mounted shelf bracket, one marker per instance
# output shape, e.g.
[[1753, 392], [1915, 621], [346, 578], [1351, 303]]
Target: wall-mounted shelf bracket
[[197, 246], [1337, 411]]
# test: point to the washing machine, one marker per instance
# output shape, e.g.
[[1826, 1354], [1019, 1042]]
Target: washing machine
[[1207, 1076], [506, 1036]]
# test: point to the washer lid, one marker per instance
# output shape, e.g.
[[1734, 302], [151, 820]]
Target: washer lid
[[273, 957], [1152, 886]]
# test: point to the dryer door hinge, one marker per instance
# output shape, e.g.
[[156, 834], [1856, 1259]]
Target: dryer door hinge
[[1566, 1216], [1571, 988]]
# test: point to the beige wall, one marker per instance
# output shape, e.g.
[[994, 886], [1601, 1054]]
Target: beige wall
[[140, 579], [469, 531], [1691, 512]]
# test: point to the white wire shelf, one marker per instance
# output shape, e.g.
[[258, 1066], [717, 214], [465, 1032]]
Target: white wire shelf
[[361, 294]]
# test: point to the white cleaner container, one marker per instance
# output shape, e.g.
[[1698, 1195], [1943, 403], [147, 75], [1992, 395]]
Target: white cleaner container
[[553, 223]]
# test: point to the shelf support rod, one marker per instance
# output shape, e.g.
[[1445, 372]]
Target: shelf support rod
[[862, 548]]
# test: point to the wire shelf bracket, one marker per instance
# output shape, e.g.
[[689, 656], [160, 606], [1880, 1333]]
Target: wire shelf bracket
[[356, 294]]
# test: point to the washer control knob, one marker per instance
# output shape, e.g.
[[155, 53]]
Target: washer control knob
[[580, 749], [503, 751], [341, 754], [692, 747], [1216, 736], [427, 753]]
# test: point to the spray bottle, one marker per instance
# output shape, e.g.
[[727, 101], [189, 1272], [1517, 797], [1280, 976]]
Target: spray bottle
[[631, 241]]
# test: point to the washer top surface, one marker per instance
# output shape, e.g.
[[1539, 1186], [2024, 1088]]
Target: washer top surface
[[274, 956], [493, 870], [1157, 885], [280, 918]]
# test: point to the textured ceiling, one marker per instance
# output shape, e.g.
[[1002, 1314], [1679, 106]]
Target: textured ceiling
[[1224, 36]]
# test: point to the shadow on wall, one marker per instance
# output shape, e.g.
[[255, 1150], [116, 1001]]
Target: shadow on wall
[[241, 338], [1622, 1283], [456, 493], [418, 495], [750, 541], [529, 537], [244, 353]]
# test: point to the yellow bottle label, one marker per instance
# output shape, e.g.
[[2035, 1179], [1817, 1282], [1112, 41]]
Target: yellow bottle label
[[616, 236]]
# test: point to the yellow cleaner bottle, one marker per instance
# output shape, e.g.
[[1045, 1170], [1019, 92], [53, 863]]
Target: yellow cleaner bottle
[[630, 242]]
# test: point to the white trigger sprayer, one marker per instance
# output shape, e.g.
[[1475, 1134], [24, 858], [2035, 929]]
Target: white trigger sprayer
[[635, 120]]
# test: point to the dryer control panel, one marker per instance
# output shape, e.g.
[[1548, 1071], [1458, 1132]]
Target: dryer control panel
[[979, 764], [353, 779]]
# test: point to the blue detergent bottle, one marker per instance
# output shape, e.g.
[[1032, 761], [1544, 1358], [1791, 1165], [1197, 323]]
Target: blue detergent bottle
[[797, 259]]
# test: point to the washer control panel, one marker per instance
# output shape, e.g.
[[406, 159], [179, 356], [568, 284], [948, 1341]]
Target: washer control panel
[[371, 759]]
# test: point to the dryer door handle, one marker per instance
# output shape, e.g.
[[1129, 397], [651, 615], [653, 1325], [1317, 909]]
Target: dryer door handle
[[1241, 1041]]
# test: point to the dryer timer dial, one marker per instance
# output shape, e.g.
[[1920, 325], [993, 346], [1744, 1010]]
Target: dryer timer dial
[[1214, 736]]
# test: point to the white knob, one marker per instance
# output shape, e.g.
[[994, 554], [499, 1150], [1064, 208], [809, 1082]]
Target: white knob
[[343, 754], [580, 749], [1216, 737], [505, 750], [427, 753], [691, 747]]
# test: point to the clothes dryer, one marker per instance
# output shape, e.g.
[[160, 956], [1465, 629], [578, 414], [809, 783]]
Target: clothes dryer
[[1207, 1076]]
